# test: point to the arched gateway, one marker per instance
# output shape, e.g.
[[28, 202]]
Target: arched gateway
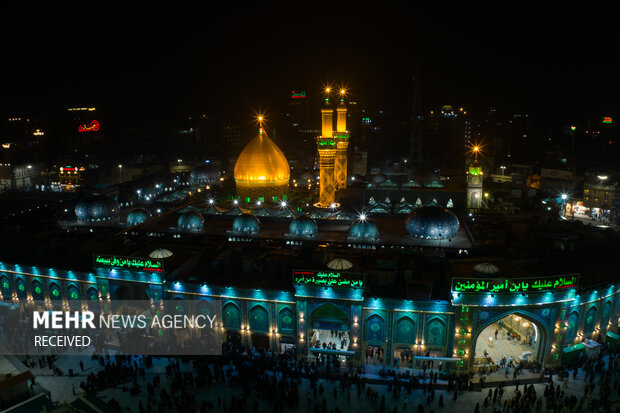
[[517, 336], [502, 320]]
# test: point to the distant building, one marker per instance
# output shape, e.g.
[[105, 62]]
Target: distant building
[[231, 137], [26, 176], [556, 181], [6, 176], [359, 162], [69, 177], [450, 136], [598, 195]]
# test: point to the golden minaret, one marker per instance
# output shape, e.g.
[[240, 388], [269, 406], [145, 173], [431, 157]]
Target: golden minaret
[[326, 146], [341, 138]]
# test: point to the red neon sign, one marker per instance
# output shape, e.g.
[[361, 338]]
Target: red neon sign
[[93, 127]]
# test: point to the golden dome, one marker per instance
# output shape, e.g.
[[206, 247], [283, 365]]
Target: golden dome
[[261, 161]]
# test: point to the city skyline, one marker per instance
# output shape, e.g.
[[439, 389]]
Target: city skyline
[[523, 64]]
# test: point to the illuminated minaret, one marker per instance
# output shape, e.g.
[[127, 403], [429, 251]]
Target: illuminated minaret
[[474, 183], [341, 138], [326, 146]]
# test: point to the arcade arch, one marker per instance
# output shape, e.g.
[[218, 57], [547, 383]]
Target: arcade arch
[[516, 337]]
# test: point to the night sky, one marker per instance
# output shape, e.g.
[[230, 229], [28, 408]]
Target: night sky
[[174, 60]]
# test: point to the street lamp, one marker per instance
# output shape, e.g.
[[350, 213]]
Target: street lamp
[[120, 172], [503, 168]]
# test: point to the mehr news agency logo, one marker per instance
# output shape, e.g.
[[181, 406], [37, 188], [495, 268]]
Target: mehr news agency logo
[[86, 320]]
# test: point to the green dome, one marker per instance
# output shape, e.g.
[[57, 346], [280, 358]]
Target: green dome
[[97, 208], [303, 226], [246, 224], [432, 222], [137, 216], [364, 229], [190, 221]]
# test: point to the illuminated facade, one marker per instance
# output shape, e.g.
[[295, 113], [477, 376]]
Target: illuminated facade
[[321, 301], [262, 171], [69, 177], [327, 152], [332, 146], [474, 186]]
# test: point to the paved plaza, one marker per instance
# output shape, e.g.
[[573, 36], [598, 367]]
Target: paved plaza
[[62, 390]]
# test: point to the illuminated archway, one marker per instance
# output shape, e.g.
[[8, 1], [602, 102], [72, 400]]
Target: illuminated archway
[[572, 327], [405, 330], [329, 316], [231, 316], [73, 296], [5, 287], [286, 321], [436, 332], [589, 322], [92, 297], [540, 334], [375, 329], [205, 307], [20, 285], [55, 293], [605, 315], [37, 290], [259, 319], [330, 327], [92, 294]]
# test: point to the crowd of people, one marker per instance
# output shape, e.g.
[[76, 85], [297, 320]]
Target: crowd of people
[[331, 340], [261, 378], [373, 355]]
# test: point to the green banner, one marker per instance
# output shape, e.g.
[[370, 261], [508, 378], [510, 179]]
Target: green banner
[[329, 278], [515, 285], [128, 263]]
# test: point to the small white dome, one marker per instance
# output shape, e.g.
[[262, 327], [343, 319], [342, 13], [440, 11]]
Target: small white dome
[[161, 253], [339, 264]]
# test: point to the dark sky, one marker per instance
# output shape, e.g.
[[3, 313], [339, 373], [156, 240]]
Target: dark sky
[[175, 60]]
